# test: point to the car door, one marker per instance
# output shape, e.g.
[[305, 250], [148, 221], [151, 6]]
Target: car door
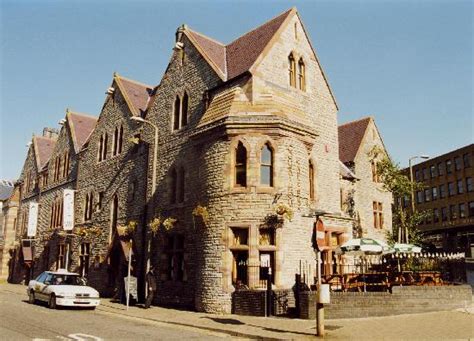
[[37, 284], [42, 292]]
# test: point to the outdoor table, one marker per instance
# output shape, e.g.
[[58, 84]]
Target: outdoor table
[[429, 278], [375, 280], [335, 281], [402, 278], [352, 281]]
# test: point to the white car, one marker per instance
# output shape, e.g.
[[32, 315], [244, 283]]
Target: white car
[[62, 288]]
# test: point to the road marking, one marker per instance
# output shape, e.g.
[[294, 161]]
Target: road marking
[[84, 337]]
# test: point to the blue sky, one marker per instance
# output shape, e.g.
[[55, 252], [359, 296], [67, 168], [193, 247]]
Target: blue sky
[[407, 63]]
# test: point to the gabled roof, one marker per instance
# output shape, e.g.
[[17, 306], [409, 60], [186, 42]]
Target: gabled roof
[[136, 94], [6, 189], [43, 148], [81, 126], [240, 55], [350, 138]]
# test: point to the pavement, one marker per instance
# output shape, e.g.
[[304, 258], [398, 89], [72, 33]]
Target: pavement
[[456, 324]]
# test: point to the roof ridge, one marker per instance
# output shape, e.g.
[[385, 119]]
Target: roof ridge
[[116, 75], [205, 36], [82, 114], [265, 23], [354, 121]]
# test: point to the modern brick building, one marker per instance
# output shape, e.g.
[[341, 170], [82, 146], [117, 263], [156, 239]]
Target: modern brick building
[[448, 198], [247, 156]]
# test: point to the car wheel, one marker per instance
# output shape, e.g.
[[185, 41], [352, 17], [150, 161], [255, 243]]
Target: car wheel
[[31, 297], [52, 302]]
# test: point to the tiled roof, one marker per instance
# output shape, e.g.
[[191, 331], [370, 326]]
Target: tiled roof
[[6, 189], [136, 94], [350, 138], [220, 106], [81, 126], [239, 56], [43, 148]]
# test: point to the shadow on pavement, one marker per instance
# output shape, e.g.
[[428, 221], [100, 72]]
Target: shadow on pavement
[[224, 320]]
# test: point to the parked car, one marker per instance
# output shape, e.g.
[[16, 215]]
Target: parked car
[[62, 288]]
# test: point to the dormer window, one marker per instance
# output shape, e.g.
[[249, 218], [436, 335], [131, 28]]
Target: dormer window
[[292, 70]]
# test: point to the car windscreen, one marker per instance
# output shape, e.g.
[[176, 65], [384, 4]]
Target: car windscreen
[[68, 280]]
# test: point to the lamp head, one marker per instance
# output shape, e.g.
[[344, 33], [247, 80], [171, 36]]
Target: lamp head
[[138, 119], [424, 156]]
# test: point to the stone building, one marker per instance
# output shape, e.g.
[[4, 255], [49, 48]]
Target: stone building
[[360, 146], [36, 161], [248, 135], [9, 201], [111, 188]]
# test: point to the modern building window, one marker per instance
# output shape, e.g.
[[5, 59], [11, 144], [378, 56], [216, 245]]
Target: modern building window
[[419, 197], [460, 187], [378, 215], [457, 163], [449, 166], [434, 193], [84, 256], [266, 166], [427, 195], [177, 110], [462, 210], [451, 189], [440, 169], [301, 75], [425, 174], [444, 213], [241, 165], [442, 191], [435, 215], [467, 160], [433, 171], [311, 180], [418, 175], [469, 185], [471, 208], [174, 251], [453, 213], [292, 70]]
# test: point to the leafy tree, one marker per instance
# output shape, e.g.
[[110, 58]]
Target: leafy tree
[[404, 223]]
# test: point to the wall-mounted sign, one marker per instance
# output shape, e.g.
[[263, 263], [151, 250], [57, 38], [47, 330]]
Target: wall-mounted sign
[[32, 219], [68, 209]]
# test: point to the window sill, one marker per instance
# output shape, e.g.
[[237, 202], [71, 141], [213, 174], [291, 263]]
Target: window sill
[[266, 190]]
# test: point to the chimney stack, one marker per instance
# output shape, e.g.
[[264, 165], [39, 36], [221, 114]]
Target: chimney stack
[[51, 133]]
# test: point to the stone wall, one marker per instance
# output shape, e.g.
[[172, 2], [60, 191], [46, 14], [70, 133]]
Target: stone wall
[[402, 300]]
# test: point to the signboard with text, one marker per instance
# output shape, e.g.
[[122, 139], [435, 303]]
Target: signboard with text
[[68, 209], [32, 219]]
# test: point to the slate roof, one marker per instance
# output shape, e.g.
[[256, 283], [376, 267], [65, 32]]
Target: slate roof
[[43, 147], [6, 189], [350, 138], [238, 57], [81, 126], [136, 94]]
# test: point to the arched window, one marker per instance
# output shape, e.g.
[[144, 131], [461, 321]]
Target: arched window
[[173, 185], [115, 142], [120, 140], [101, 147], [241, 165], [311, 180], [266, 166], [180, 185], [177, 104], [301, 75], [184, 110], [292, 70], [104, 149]]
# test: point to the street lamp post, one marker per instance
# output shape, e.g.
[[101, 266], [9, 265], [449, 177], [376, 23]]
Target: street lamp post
[[411, 184], [153, 187]]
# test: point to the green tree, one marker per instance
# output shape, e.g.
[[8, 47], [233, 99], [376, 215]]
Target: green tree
[[404, 223]]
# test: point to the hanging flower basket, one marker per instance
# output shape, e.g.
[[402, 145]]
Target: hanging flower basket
[[169, 223], [284, 211], [201, 211], [127, 230], [154, 225]]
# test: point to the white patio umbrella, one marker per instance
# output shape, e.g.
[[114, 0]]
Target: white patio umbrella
[[406, 248], [363, 247]]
